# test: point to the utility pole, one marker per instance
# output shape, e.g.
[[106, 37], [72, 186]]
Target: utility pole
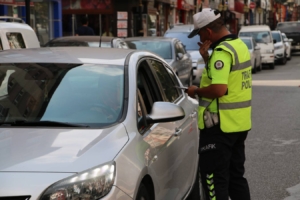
[[27, 8]]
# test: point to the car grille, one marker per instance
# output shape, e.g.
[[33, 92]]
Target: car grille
[[16, 198]]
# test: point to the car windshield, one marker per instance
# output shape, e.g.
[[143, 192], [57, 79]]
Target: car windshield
[[83, 94], [248, 43], [161, 48], [259, 37], [103, 44], [276, 36], [191, 44], [289, 27]]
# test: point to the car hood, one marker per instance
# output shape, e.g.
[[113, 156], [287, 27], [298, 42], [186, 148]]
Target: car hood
[[195, 55], [58, 150], [278, 44]]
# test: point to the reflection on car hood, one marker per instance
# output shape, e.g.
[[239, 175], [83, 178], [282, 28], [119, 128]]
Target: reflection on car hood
[[58, 150], [195, 55]]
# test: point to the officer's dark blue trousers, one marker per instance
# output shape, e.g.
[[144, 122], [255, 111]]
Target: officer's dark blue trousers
[[222, 158]]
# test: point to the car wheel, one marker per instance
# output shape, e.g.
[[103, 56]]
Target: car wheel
[[272, 66], [254, 68], [143, 193], [259, 67], [283, 61], [197, 191]]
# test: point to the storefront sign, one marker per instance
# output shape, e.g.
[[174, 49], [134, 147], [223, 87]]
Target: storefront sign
[[14, 2], [122, 24], [252, 5], [122, 33], [122, 15], [87, 4]]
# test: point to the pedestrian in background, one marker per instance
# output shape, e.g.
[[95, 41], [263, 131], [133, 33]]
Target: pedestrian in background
[[224, 116], [84, 29]]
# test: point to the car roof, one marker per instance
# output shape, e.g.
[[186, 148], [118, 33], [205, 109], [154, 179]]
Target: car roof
[[79, 55], [255, 27], [150, 39], [14, 25], [85, 38], [181, 28]]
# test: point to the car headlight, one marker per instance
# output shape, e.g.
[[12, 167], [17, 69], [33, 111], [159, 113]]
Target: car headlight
[[279, 47], [91, 184], [270, 51]]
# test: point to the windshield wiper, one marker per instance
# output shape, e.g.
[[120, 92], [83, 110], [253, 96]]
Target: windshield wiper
[[41, 123]]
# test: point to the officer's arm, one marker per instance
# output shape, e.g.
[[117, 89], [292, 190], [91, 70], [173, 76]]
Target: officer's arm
[[212, 91]]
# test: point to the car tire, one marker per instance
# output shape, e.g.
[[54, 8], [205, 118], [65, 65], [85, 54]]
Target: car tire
[[254, 68], [259, 67], [272, 66], [197, 192], [143, 193], [283, 61]]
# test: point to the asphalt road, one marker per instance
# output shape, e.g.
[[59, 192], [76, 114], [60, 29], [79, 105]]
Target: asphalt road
[[273, 144]]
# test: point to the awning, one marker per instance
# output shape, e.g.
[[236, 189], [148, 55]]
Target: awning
[[239, 6]]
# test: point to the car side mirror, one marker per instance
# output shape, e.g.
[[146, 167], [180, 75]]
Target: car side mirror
[[274, 41], [285, 40], [165, 112], [179, 56], [257, 48], [290, 40]]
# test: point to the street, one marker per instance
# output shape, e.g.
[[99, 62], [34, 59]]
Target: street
[[273, 144]]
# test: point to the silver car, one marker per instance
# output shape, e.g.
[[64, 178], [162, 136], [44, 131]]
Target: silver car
[[92, 123], [255, 54], [181, 32], [170, 49], [88, 41]]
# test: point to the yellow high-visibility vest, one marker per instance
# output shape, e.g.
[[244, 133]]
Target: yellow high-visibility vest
[[234, 108]]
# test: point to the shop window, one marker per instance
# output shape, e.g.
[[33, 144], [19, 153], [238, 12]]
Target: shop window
[[15, 40]]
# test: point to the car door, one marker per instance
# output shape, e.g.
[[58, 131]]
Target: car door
[[179, 154]]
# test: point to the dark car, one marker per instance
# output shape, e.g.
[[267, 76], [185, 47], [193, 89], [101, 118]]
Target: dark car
[[89, 41], [292, 31]]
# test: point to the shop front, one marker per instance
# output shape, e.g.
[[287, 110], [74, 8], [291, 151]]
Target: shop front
[[184, 12], [100, 15], [45, 16]]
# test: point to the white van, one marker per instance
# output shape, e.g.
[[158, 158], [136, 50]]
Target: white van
[[17, 35], [263, 37]]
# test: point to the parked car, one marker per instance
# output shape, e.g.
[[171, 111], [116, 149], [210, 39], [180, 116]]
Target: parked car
[[263, 37], [280, 48], [89, 41], [16, 35], [181, 32], [292, 31], [288, 45], [94, 123], [254, 51], [170, 49]]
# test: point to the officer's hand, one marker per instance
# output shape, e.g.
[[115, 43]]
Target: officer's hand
[[191, 91], [203, 50]]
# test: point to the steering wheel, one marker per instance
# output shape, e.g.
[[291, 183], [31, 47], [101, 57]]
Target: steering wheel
[[106, 109]]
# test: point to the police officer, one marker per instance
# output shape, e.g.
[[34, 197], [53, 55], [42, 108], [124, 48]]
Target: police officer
[[224, 116]]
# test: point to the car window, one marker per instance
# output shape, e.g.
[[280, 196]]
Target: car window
[[161, 48], [191, 44], [15, 40], [105, 44], [248, 43], [276, 36], [147, 85], [259, 36], [167, 80], [85, 94]]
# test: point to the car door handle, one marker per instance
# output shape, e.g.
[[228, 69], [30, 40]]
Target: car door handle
[[178, 132], [193, 115]]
